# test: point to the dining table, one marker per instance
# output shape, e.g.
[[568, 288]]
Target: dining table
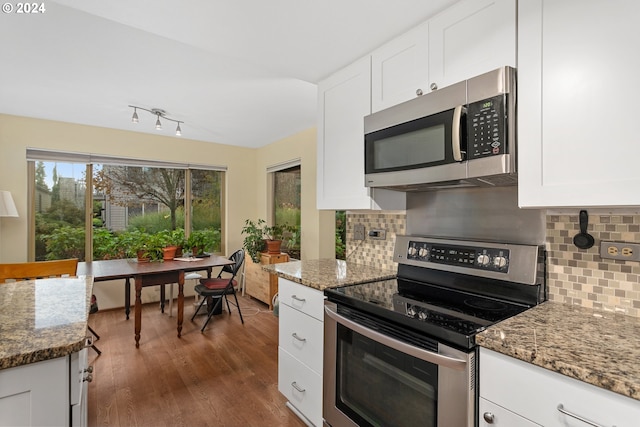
[[150, 274]]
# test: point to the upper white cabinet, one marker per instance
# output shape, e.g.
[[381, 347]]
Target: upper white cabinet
[[577, 82], [400, 69], [471, 38], [343, 100]]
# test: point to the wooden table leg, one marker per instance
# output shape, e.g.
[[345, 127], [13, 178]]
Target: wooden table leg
[[127, 296], [180, 301], [138, 309]]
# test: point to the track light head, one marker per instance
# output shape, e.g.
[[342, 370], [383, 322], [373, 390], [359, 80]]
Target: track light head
[[159, 113]]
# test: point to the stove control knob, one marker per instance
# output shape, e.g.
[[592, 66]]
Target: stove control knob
[[499, 261], [423, 252], [412, 251], [483, 259], [411, 311], [422, 315]]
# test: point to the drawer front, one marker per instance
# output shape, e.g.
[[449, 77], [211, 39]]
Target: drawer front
[[308, 300], [535, 393], [301, 386], [302, 336], [492, 415], [274, 259]]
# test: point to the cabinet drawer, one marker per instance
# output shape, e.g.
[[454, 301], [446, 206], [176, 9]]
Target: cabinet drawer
[[535, 393], [302, 336], [301, 386], [500, 417], [308, 300]]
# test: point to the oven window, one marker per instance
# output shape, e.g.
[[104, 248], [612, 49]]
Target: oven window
[[422, 146], [380, 386]]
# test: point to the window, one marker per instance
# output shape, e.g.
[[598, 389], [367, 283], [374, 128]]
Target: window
[[127, 201], [286, 207]]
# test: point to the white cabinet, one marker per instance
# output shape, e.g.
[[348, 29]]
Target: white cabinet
[[471, 38], [492, 415], [577, 83], [400, 69], [467, 39], [45, 393], [300, 350], [534, 394], [344, 99]]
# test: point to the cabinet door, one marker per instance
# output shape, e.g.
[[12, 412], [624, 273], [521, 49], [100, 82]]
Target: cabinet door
[[471, 38], [400, 69], [343, 101], [577, 82], [492, 415]]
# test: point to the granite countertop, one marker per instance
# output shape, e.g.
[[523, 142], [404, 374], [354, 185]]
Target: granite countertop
[[328, 273], [597, 347], [43, 319]]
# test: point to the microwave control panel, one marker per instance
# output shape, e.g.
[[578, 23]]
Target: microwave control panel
[[486, 127]]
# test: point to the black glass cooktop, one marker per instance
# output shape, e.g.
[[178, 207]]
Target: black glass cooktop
[[451, 315]]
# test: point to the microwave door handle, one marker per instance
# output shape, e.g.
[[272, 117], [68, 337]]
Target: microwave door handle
[[455, 133], [427, 356]]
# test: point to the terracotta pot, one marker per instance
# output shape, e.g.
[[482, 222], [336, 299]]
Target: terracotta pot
[[169, 253], [273, 246], [141, 257]]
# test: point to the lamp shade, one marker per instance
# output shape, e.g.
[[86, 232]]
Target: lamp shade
[[7, 207]]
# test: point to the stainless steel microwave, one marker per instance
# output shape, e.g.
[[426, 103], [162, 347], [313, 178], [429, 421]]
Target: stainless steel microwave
[[463, 135]]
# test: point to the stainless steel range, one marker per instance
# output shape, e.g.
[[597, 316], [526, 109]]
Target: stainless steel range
[[402, 352]]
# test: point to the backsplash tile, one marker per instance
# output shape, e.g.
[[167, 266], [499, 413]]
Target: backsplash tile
[[575, 276], [374, 253], [580, 276]]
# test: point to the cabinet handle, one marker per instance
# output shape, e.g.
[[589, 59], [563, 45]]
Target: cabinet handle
[[298, 299], [488, 417], [418, 91], [297, 387], [89, 369], [88, 378], [433, 86], [577, 417], [298, 338]]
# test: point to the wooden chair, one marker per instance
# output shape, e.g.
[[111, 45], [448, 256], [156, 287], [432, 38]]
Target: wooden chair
[[41, 270], [38, 269]]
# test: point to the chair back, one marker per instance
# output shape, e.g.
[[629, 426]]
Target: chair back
[[238, 258], [38, 269]]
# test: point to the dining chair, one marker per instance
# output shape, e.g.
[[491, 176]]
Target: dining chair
[[219, 287], [45, 269]]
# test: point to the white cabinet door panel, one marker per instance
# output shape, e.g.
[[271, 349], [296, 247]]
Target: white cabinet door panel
[[498, 416], [302, 336], [301, 386], [577, 85], [471, 38]]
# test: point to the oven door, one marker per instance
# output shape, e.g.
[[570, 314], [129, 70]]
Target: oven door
[[378, 379]]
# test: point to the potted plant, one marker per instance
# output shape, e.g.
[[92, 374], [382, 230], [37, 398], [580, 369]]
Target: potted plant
[[273, 235], [177, 238], [253, 242], [200, 241]]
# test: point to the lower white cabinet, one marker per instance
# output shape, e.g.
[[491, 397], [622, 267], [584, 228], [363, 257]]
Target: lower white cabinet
[[47, 393], [300, 351], [522, 394]]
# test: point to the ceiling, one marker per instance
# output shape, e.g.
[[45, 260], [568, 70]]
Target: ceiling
[[237, 72]]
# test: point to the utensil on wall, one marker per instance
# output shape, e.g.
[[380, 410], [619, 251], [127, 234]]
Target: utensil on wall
[[583, 240]]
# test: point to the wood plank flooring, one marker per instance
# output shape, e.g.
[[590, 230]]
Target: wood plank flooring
[[226, 376]]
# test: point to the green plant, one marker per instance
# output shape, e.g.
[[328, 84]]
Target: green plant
[[276, 232], [201, 241], [253, 242]]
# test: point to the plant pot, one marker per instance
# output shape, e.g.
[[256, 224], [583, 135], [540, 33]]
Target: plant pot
[[169, 253], [142, 257], [273, 246]]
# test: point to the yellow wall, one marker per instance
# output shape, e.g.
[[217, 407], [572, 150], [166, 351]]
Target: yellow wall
[[315, 244]]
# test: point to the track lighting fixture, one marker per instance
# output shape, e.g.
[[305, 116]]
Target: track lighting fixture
[[159, 114]]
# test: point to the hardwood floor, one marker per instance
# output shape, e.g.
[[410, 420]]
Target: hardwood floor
[[226, 376]]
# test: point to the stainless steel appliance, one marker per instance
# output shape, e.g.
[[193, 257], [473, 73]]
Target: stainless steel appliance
[[402, 352], [463, 135]]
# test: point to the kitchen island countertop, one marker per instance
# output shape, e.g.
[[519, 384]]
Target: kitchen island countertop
[[43, 319], [598, 347], [328, 273]]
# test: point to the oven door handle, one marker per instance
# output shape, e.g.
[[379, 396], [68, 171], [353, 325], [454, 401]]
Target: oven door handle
[[427, 356]]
